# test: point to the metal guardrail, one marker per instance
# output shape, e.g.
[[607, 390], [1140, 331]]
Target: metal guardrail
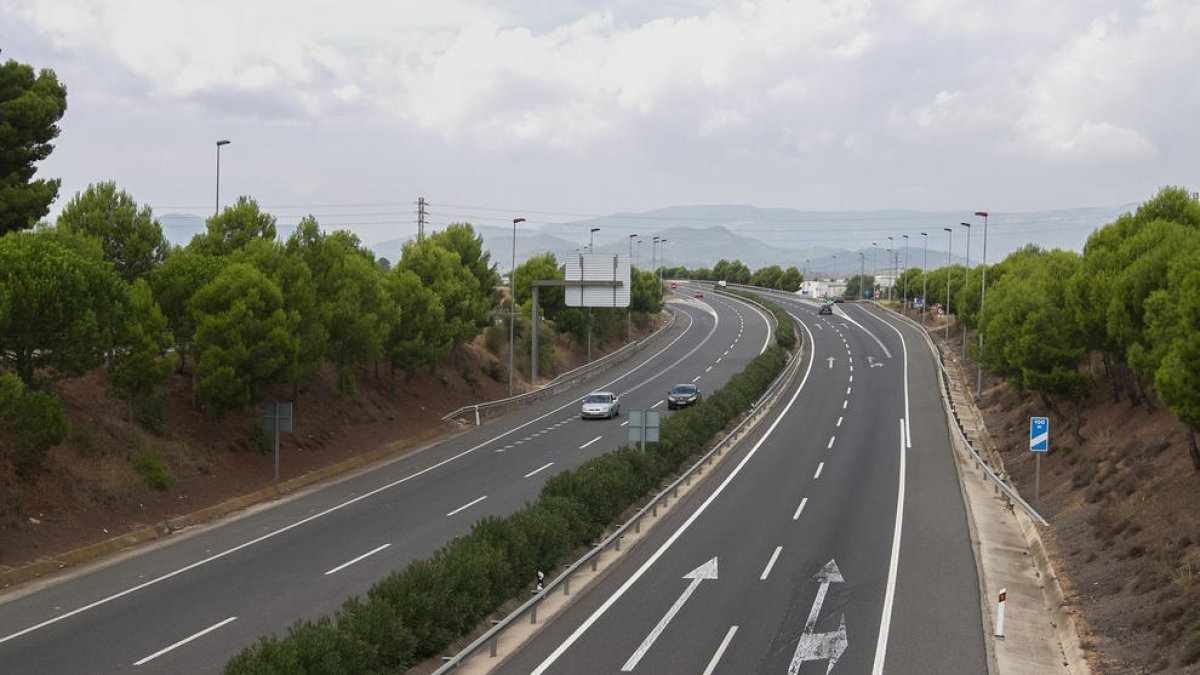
[[948, 405], [567, 379], [614, 539]]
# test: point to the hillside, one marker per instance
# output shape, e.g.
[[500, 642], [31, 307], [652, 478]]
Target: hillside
[[1124, 530], [90, 492]]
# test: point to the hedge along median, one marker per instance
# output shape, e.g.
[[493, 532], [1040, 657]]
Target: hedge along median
[[416, 613], [785, 332]]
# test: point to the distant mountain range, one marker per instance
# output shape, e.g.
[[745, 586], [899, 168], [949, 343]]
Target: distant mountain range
[[818, 242]]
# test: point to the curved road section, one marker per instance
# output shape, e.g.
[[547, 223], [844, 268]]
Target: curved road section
[[835, 540], [188, 604]]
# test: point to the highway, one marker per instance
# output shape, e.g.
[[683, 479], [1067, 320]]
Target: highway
[[193, 600], [833, 540]]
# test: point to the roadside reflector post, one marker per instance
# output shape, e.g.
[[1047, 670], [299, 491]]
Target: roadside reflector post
[[1000, 612]]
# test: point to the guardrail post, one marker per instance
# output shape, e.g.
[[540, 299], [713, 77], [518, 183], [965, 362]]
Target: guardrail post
[[595, 558], [533, 613], [637, 526], [654, 509], [567, 586], [619, 538], [476, 415]]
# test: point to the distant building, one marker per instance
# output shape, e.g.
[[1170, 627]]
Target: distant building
[[822, 288]]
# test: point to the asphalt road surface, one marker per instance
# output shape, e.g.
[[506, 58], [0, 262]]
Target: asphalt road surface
[[834, 540], [192, 601]]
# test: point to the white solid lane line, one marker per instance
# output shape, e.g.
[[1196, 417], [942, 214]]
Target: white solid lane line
[[818, 473], [796, 515], [545, 466], [466, 506], [889, 593], [590, 442], [186, 640], [344, 565], [770, 563]]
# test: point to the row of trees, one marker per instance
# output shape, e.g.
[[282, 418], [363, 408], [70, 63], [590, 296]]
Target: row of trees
[[736, 272]]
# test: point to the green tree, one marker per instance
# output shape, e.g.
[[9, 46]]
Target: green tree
[[420, 338], [234, 228], [857, 284], [442, 271], [140, 362], [1032, 342], [733, 272], [175, 282], [792, 280], [30, 107], [461, 238], [767, 277], [130, 237], [244, 338], [42, 424], [58, 310], [646, 295], [540, 267]]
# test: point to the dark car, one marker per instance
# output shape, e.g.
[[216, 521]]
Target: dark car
[[826, 308], [838, 298], [683, 395], [698, 294]]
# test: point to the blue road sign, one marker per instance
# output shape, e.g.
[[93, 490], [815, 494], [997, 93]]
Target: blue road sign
[[1039, 434]]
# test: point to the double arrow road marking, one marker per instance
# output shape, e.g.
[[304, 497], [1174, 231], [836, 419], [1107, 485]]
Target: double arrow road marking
[[821, 646]]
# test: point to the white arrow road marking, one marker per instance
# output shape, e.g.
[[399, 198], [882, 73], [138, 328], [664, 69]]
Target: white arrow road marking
[[831, 360], [821, 646], [364, 556], [706, 571], [186, 640]]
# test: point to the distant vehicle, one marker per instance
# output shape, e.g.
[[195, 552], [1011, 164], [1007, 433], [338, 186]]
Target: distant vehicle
[[838, 298], [722, 283], [826, 308], [682, 396], [600, 404], [698, 294], [674, 285]]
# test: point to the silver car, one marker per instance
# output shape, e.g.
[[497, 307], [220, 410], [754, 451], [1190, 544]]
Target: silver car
[[601, 404]]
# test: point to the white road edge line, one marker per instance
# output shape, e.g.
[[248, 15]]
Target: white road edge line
[[543, 467], [590, 442], [796, 515], [344, 565], [186, 640], [624, 588], [819, 468], [464, 507], [770, 563], [889, 594]]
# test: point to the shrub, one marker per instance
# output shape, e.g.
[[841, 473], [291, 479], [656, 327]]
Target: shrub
[[152, 466], [41, 423]]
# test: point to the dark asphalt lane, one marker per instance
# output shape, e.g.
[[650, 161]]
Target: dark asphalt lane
[[401, 513], [838, 453]]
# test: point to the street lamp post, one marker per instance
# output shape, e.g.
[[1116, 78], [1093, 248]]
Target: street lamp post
[[966, 282], [629, 311], [982, 296], [874, 268], [591, 249], [949, 243], [862, 277], [904, 304], [890, 268], [925, 278], [512, 307], [662, 261], [217, 208]]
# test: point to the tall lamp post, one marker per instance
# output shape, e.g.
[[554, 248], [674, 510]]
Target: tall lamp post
[[904, 304], [630, 310], [966, 282], [217, 208], [874, 268], [512, 307], [662, 261], [925, 278], [862, 277], [591, 249], [982, 296], [891, 267], [949, 243]]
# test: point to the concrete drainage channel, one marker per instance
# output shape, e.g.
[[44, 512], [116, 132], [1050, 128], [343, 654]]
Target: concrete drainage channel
[[489, 650]]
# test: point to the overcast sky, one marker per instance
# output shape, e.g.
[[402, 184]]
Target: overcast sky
[[558, 109]]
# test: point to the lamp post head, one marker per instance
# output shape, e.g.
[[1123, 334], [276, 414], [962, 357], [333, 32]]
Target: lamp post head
[[904, 235], [595, 229], [948, 230], [965, 224], [633, 236], [924, 234], [222, 142], [518, 220], [981, 214]]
